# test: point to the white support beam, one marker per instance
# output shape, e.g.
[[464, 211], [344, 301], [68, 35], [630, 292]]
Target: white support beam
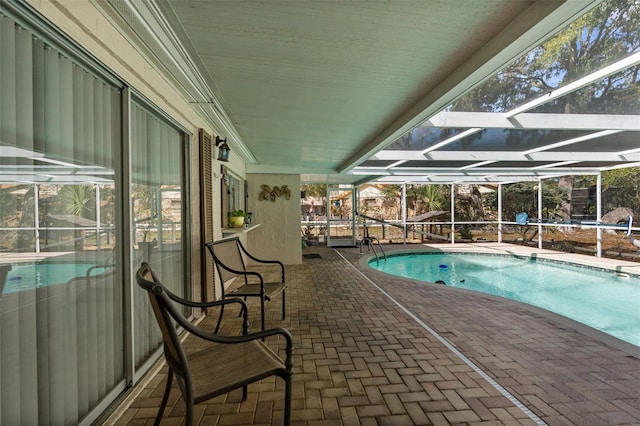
[[487, 171], [572, 141], [534, 121], [452, 139], [438, 179], [478, 156]]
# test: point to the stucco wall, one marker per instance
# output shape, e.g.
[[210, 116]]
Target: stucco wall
[[278, 236]]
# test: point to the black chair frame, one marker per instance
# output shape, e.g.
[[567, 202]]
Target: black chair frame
[[228, 257], [260, 362]]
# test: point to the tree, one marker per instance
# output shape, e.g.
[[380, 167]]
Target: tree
[[523, 197], [604, 35], [9, 204], [432, 197], [314, 190], [470, 207], [565, 183], [391, 203], [79, 200], [621, 188]]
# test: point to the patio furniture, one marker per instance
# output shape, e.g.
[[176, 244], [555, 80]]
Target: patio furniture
[[229, 258], [221, 363]]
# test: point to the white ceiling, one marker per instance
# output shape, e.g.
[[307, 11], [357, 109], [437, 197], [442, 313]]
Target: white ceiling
[[317, 87]]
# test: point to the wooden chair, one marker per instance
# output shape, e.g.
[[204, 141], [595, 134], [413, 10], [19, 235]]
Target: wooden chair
[[222, 363], [229, 258]]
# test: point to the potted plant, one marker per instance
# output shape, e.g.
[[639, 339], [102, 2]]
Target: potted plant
[[236, 218]]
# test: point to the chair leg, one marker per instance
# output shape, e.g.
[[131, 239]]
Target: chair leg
[[283, 304], [262, 315], [242, 309], [188, 402], [287, 400], [165, 398], [219, 319], [188, 421]]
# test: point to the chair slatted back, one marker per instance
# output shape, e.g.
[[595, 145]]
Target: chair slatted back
[[227, 257], [164, 310]]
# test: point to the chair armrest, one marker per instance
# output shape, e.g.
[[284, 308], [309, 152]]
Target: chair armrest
[[258, 335], [210, 304], [243, 307], [217, 338], [275, 262]]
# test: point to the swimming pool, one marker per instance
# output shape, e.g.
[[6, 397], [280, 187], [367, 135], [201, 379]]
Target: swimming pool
[[604, 300], [26, 276]]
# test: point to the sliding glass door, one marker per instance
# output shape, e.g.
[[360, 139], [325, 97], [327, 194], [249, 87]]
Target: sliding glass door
[[157, 208], [81, 207], [61, 305]]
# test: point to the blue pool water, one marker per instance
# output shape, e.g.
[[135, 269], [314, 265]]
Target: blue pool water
[[602, 299], [26, 276]]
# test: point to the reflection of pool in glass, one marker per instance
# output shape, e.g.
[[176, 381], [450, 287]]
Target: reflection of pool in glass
[[26, 276], [602, 299]]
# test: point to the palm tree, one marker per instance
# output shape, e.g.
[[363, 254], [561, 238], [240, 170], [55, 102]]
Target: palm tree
[[79, 200], [432, 197]]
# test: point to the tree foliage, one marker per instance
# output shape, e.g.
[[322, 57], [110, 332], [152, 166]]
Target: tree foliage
[[9, 204], [606, 34], [420, 198], [621, 188], [523, 197], [431, 198], [317, 190], [79, 200]]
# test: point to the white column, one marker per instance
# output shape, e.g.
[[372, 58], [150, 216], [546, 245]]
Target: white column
[[453, 214], [599, 214], [499, 212], [540, 214], [404, 213], [98, 216], [36, 214]]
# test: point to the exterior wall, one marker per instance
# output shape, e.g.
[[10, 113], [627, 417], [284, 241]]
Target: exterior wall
[[85, 23], [278, 236]]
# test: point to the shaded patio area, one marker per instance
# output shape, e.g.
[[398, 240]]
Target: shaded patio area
[[375, 350]]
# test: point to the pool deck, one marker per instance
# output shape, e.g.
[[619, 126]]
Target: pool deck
[[371, 349]]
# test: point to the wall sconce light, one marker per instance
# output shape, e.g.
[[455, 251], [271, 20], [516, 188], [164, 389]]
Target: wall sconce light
[[223, 149]]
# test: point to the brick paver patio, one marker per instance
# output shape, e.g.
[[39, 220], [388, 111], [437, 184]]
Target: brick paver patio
[[366, 355]]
